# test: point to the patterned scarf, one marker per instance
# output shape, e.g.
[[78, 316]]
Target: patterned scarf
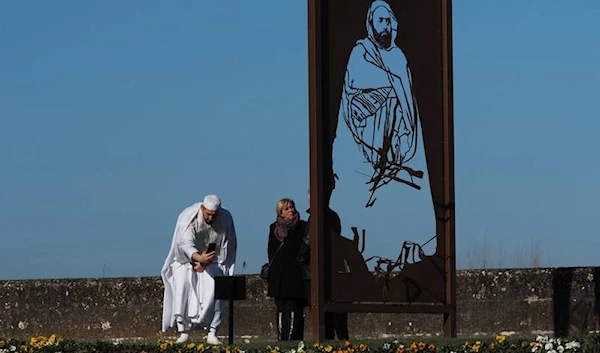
[[283, 226]]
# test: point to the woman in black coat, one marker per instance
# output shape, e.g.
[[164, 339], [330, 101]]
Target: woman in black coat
[[285, 282]]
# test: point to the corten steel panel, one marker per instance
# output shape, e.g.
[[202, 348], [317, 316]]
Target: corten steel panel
[[320, 157], [424, 39]]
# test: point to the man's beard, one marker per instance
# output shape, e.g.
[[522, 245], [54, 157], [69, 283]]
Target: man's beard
[[383, 39]]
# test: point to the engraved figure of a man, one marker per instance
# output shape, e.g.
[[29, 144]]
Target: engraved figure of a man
[[378, 103], [380, 110]]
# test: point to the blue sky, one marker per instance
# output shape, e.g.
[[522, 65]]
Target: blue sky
[[116, 115]]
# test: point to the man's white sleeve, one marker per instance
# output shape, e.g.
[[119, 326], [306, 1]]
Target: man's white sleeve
[[188, 245], [229, 248]]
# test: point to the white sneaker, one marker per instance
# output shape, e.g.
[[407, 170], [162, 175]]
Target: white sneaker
[[212, 339], [183, 338]]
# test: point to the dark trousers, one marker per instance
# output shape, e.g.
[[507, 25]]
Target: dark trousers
[[290, 319], [335, 323]]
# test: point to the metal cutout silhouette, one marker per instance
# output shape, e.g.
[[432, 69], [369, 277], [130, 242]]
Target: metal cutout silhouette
[[393, 94], [378, 103]]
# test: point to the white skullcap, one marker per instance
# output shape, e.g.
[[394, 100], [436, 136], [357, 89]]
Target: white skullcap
[[211, 202]]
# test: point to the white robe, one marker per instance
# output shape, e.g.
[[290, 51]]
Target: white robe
[[189, 295]]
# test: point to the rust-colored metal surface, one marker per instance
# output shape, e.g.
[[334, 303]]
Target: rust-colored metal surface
[[381, 71], [448, 162], [320, 159]]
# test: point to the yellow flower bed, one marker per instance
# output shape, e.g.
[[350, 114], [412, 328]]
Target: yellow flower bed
[[497, 344]]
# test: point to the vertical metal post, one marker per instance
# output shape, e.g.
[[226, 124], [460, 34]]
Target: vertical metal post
[[230, 338], [320, 158], [448, 131]]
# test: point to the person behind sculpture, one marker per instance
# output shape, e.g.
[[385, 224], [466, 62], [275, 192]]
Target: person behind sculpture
[[285, 282], [335, 323], [190, 268]]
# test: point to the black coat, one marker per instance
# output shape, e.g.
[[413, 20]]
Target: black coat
[[285, 273], [335, 224]]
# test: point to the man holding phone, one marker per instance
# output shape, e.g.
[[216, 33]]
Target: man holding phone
[[204, 246], [208, 255]]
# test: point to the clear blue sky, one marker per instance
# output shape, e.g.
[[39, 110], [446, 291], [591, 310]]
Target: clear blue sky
[[116, 115]]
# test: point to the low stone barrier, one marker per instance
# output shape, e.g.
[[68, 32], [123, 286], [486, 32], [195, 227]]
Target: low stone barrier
[[511, 301]]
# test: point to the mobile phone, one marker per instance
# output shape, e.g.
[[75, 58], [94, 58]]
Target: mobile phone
[[211, 247]]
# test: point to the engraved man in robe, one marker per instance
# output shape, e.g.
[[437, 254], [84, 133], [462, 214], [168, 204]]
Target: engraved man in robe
[[380, 109]]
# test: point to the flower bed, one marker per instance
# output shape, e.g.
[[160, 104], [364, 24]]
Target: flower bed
[[584, 344]]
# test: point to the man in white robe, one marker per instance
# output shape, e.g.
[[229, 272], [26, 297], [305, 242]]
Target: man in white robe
[[189, 270]]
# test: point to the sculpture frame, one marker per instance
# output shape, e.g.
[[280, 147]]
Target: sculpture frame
[[320, 130]]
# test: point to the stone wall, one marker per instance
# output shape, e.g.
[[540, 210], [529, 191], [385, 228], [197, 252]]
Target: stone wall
[[519, 301]]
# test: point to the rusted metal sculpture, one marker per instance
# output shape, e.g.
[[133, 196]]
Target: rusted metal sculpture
[[383, 71]]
